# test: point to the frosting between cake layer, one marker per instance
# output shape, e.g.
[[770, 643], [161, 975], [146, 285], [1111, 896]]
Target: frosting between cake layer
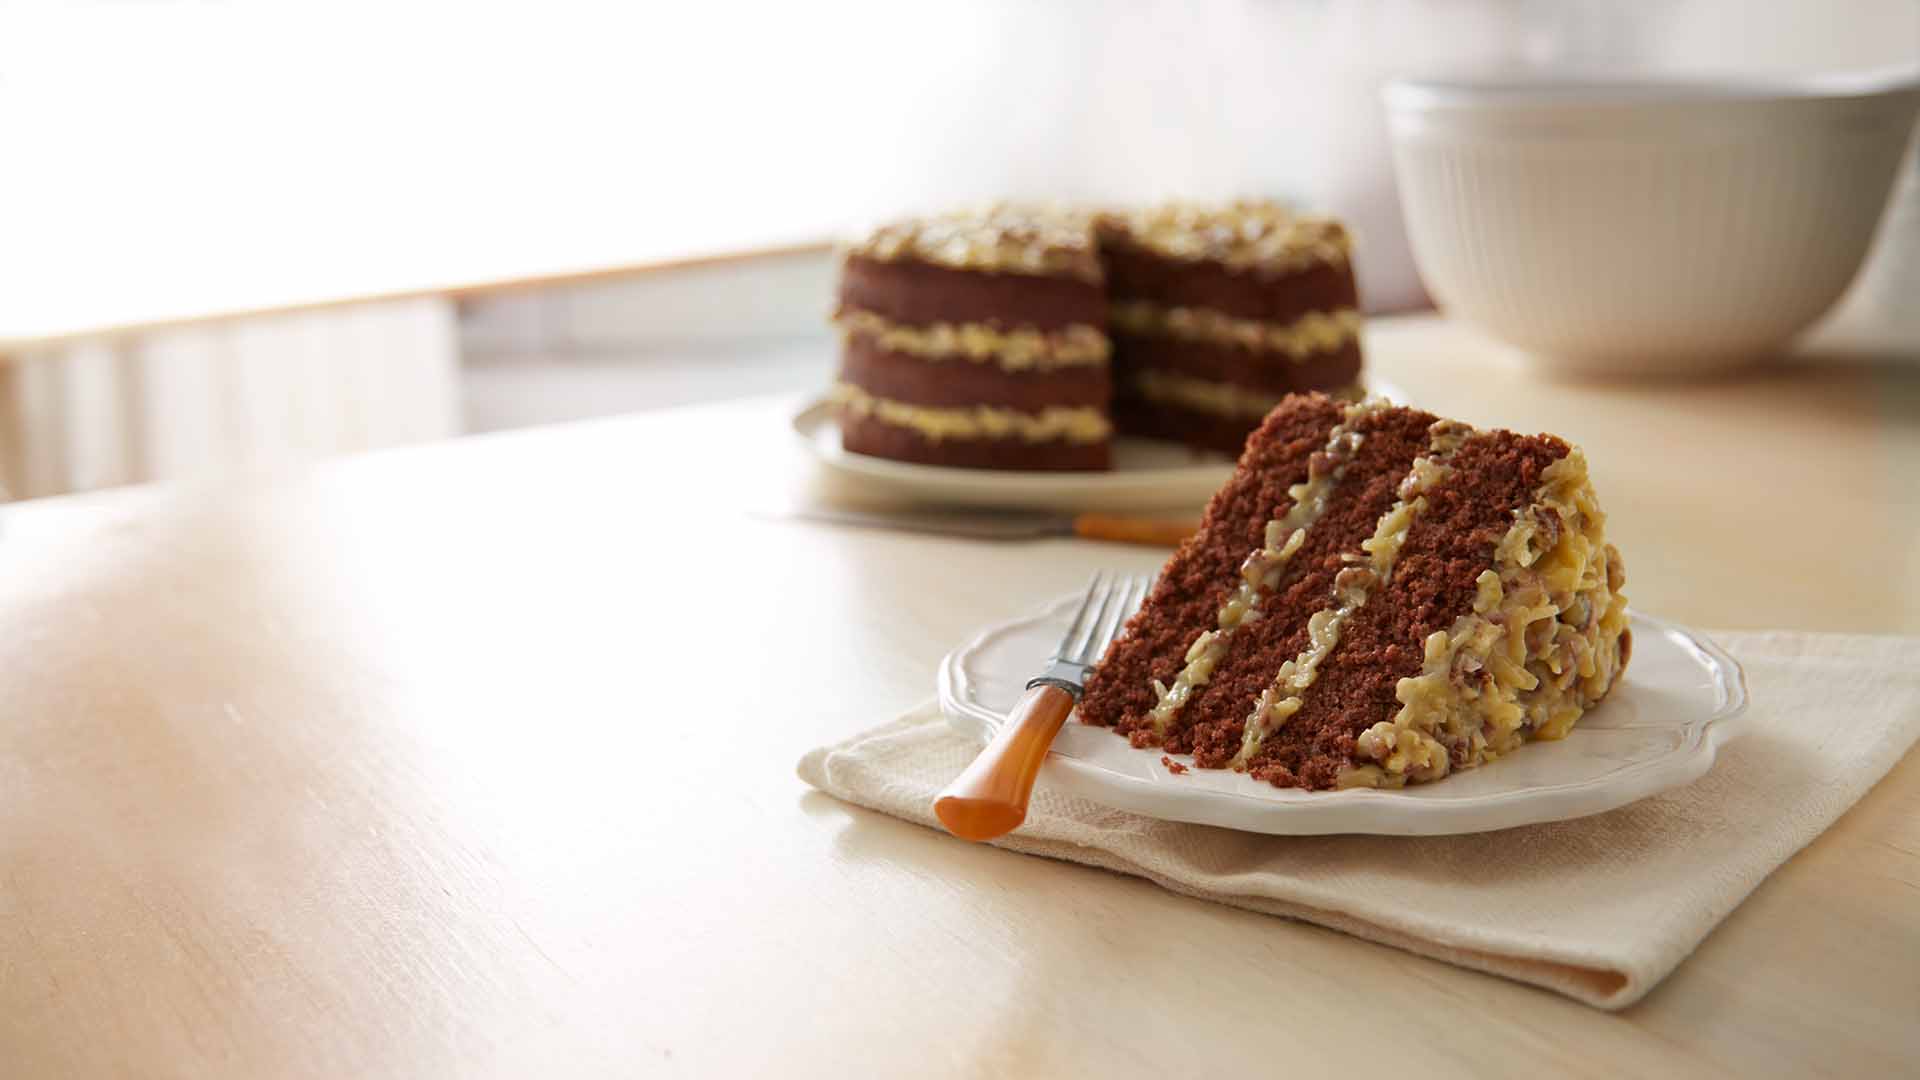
[[1314, 332], [1262, 570], [1244, 235], [1075, 424], [1019, 349], [1201, 395], [1036, 241], [1352, 587], [1542, 645]]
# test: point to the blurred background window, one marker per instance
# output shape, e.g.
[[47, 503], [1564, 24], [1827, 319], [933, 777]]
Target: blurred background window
[[511, 215]]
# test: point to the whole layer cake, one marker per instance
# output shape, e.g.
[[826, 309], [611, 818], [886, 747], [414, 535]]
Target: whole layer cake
[[1377, 597], [977, 340], [1021, 337]]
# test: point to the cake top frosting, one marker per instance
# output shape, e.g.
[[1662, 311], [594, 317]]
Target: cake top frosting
[[1247, 235], [1039, 241]]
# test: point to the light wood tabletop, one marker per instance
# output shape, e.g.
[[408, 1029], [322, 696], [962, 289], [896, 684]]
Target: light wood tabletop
[[477, 760]]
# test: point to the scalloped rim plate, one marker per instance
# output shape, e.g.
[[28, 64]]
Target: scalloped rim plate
[[1660, 729]]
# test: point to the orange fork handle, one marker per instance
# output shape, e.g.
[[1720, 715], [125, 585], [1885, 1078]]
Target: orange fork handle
[[989, 800]]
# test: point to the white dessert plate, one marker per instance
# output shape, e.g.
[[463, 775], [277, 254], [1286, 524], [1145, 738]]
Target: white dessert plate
[[1147, 474], [1659, 729]]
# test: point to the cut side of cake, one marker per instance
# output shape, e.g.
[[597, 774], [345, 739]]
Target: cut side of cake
[[1218, 313], [1377, 597], [977, 340], [1024, 337]]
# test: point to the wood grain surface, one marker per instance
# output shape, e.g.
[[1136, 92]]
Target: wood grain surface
[[477, 760]]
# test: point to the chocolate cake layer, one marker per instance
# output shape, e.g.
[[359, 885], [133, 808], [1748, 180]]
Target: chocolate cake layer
[[1281, 297], [1450, 544], [1187, 598], [1225, 434], [1277, 374], [919, 293], [959, 382], [873, 436], [1212, 722]]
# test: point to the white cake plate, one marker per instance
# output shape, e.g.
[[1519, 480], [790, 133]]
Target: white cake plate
[[1147, 474], [1659, 729]]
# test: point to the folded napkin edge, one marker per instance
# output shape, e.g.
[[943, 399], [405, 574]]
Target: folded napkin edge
[[1604, 986]]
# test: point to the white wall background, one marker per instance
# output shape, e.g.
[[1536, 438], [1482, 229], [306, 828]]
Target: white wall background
[[169, 157]]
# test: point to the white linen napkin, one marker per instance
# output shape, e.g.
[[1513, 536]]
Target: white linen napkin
[[1599, 908]]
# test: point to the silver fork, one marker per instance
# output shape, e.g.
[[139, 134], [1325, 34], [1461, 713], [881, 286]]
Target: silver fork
[[989, 799]]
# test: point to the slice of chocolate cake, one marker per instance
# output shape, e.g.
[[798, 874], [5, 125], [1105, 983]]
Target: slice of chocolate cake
[[976, 339], [1377, 597], [1218, 313]]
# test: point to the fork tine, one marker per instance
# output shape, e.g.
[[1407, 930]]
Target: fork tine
[[1081, 618], [1112, 613], [1083, 635], [1136, 597]]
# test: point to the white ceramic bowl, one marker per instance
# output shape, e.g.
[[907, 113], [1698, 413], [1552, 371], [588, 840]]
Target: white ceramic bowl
[[1645, 228]]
